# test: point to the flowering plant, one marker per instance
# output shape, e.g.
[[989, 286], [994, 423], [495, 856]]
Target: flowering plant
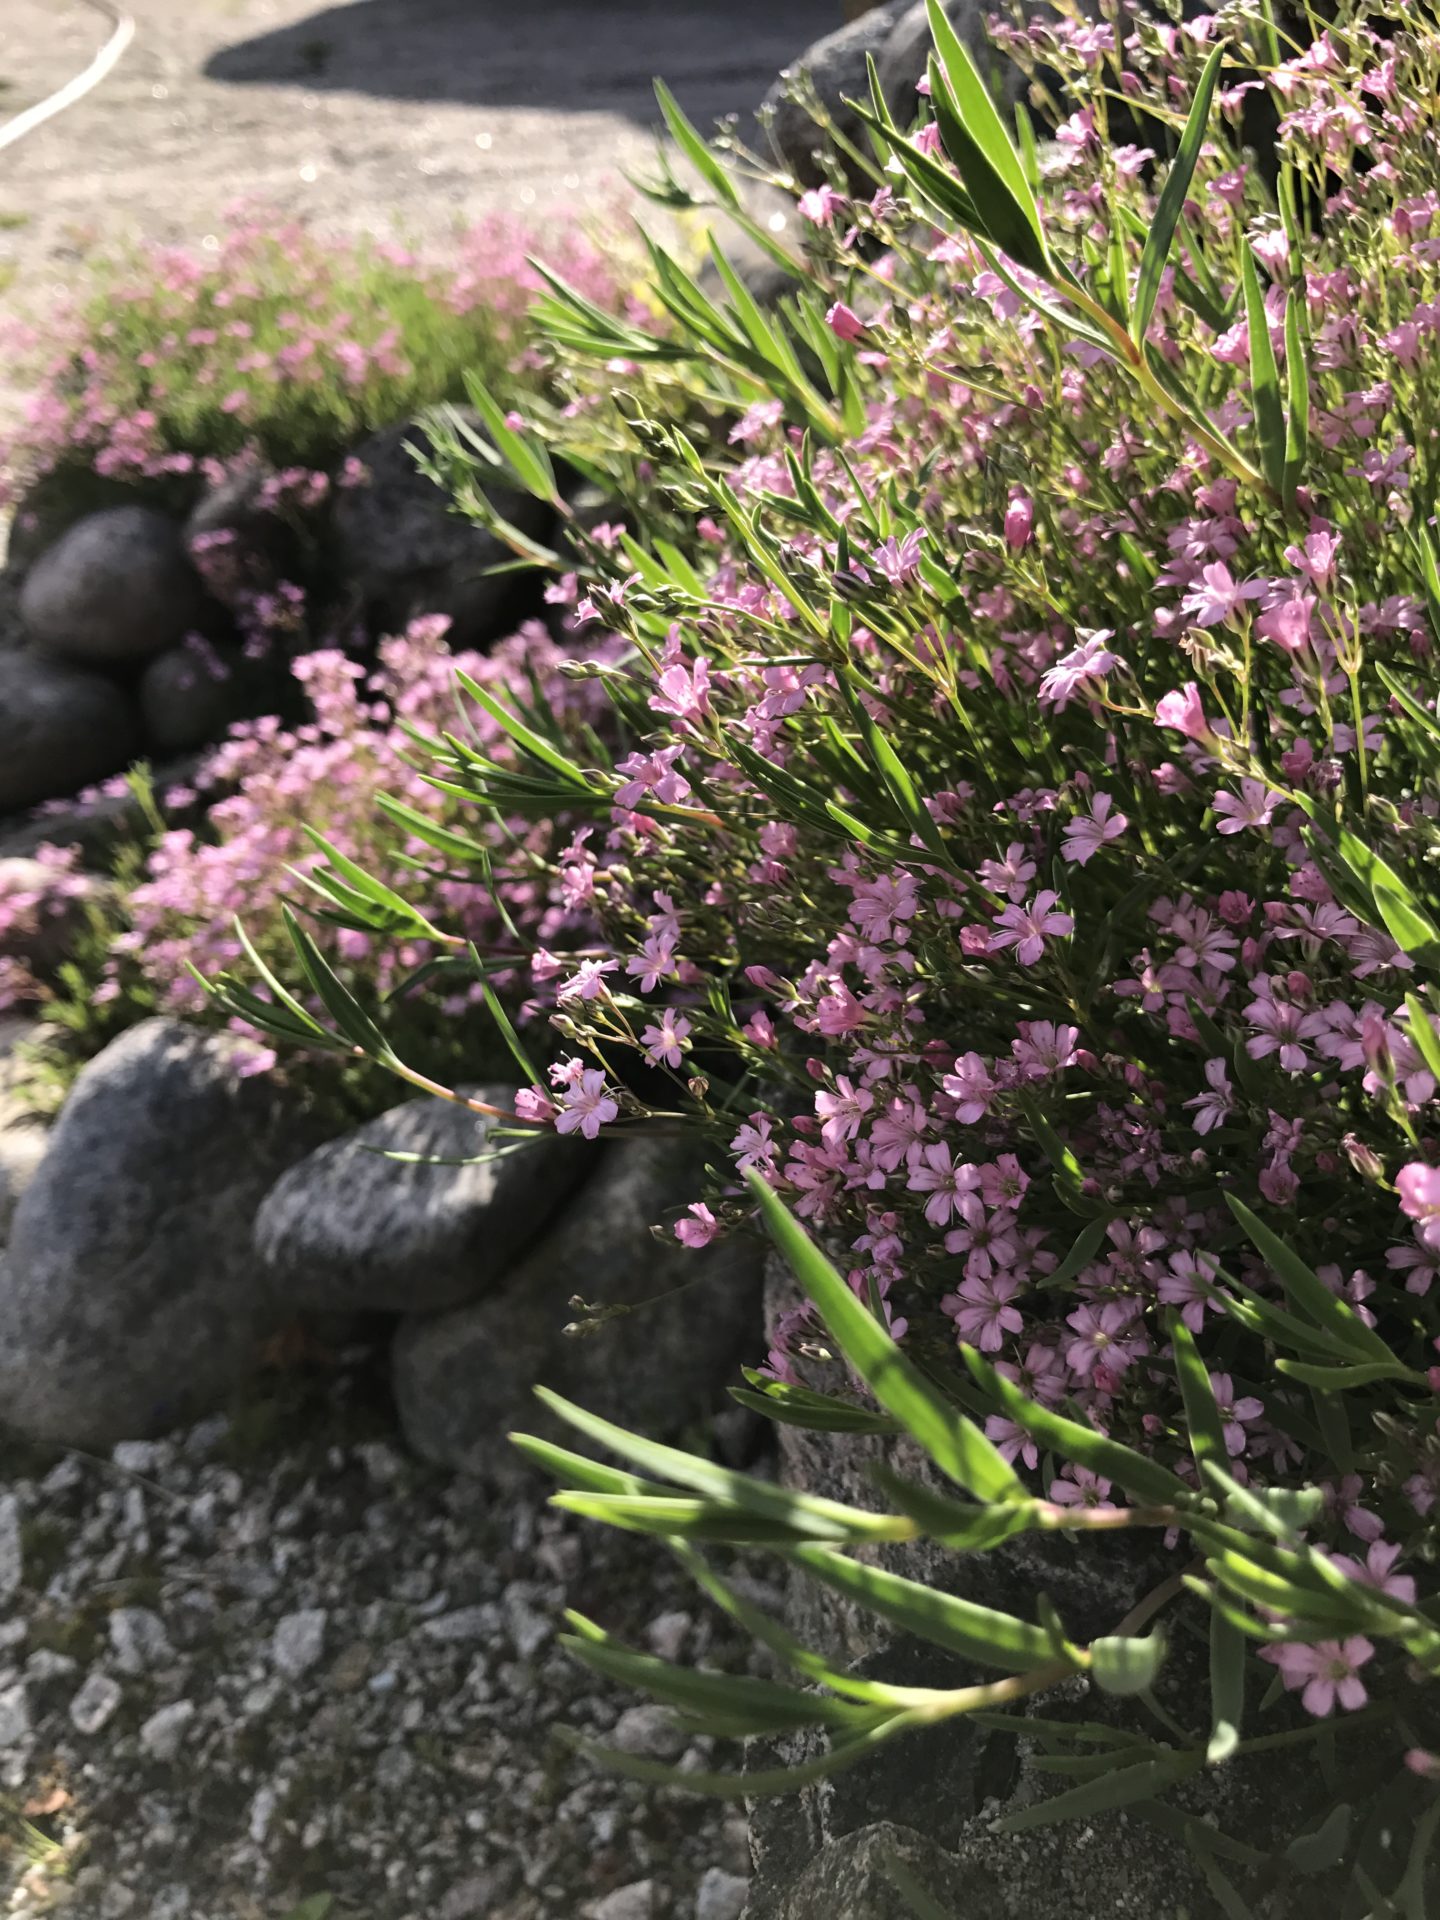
[[1023, 854]]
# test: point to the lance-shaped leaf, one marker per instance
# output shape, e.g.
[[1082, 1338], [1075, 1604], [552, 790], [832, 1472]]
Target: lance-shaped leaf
[[1297, 390], [848, 1750], [977, 141], [1145, 1479], [1172, 198], [1204, 1427], [393, 913], [524, 454], [817, 1414], [695, 150], [1264, 377], [747, 1705], [336, 998], [678, 1517], [721, 1485], [1228, 1654], [1309, 1292], [960, 1626], [1122, 1788], [954, 1442], [953, 1523]]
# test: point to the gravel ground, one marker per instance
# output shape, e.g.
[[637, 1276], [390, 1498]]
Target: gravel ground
[[359, 116], [240, 1668]]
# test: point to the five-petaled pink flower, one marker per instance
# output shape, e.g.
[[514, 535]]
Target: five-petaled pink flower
[[1183, 712], [700, 1229], [587, 1105], [667, 1041], [1253, 806], [1087, 833], [1026, 928], [1079, 670], [844, 322], [1324, 1673], [1419, 1189]]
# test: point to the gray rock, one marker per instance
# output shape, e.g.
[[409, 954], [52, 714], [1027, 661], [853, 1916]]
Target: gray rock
[[835, 66], [258, 545], [117, 587], [635, 1902], [463, 1378], [163, 1734], [905, 54], [14, 1716], [95, 1703], [60, 729], [138, 1640], [402, 546], [721, 1895], [650, 1731], [131, 1294], [12, 1551], [348, 1229], [851, 1876], [299, 1641], [188, 697]]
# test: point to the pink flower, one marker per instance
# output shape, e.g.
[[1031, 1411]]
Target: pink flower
[[1182, 712], [588, 981], [587, 1106], [971, 1087], [1079, 1487], [1088, 833], [667, 1041], [844, 323], [899, 560], [1253, 806], [945, 1179], [1325, 1673], [1213, 1108], [1104, 1337], [535, 1105], [1026, 928], [1235, 1415], [819, 204], [1218, 597], [1419, 1189], [699, 1231], [1019, 521], [982, 1311], [1078, 670]]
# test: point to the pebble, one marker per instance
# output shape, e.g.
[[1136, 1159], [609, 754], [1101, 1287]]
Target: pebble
[[650, 1731], [94, 1704], [14, 1715], [12, 1551], [466, 1623], [667, 1633], [139, 1639], [162, 1735], [721, 1895], [529, 1628], [635, 1902], [299, 1641]]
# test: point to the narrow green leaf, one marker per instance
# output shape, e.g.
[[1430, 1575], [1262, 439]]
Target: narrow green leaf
[[835, 1418], [744, 1493], [1204, 1427], [1418, 712], [1297, 389], [1264, 377], [1324, 1847], [693, 146], [1346, 1379], [1108, 1794], [847, 1751], [504, 1023], [982, 123], [1308, 1291], [953, 1523], [525, 455], [1172, 198], [1228, 1654], [342, 1006], [523, 735], [1145, 1479], [1087, 1244], [976, 1633], [1001, 216], [577, 1472], [954, 1443], [716, 1521]]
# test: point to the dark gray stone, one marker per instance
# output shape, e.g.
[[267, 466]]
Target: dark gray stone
[[117, 587], [904, 57], [835, 66], [463, 1378], [131, 1298], [401, 545], [348, 1229], [853, 1878], [261, 545], [189, 697], [60, 729]]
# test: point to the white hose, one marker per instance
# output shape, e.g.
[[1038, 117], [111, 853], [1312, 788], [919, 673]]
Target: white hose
[[123, 32]]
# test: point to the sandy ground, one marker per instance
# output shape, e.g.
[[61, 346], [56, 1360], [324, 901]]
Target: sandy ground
[[367, 115]]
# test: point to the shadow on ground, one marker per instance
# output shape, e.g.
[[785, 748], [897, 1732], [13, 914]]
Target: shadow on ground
[[562, 55]]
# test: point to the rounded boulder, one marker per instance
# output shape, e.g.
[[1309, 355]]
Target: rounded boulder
[[117, 587], [60, 729]]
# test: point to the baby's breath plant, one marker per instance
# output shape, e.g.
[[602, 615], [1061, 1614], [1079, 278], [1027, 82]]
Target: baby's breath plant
[[1020, 858]]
